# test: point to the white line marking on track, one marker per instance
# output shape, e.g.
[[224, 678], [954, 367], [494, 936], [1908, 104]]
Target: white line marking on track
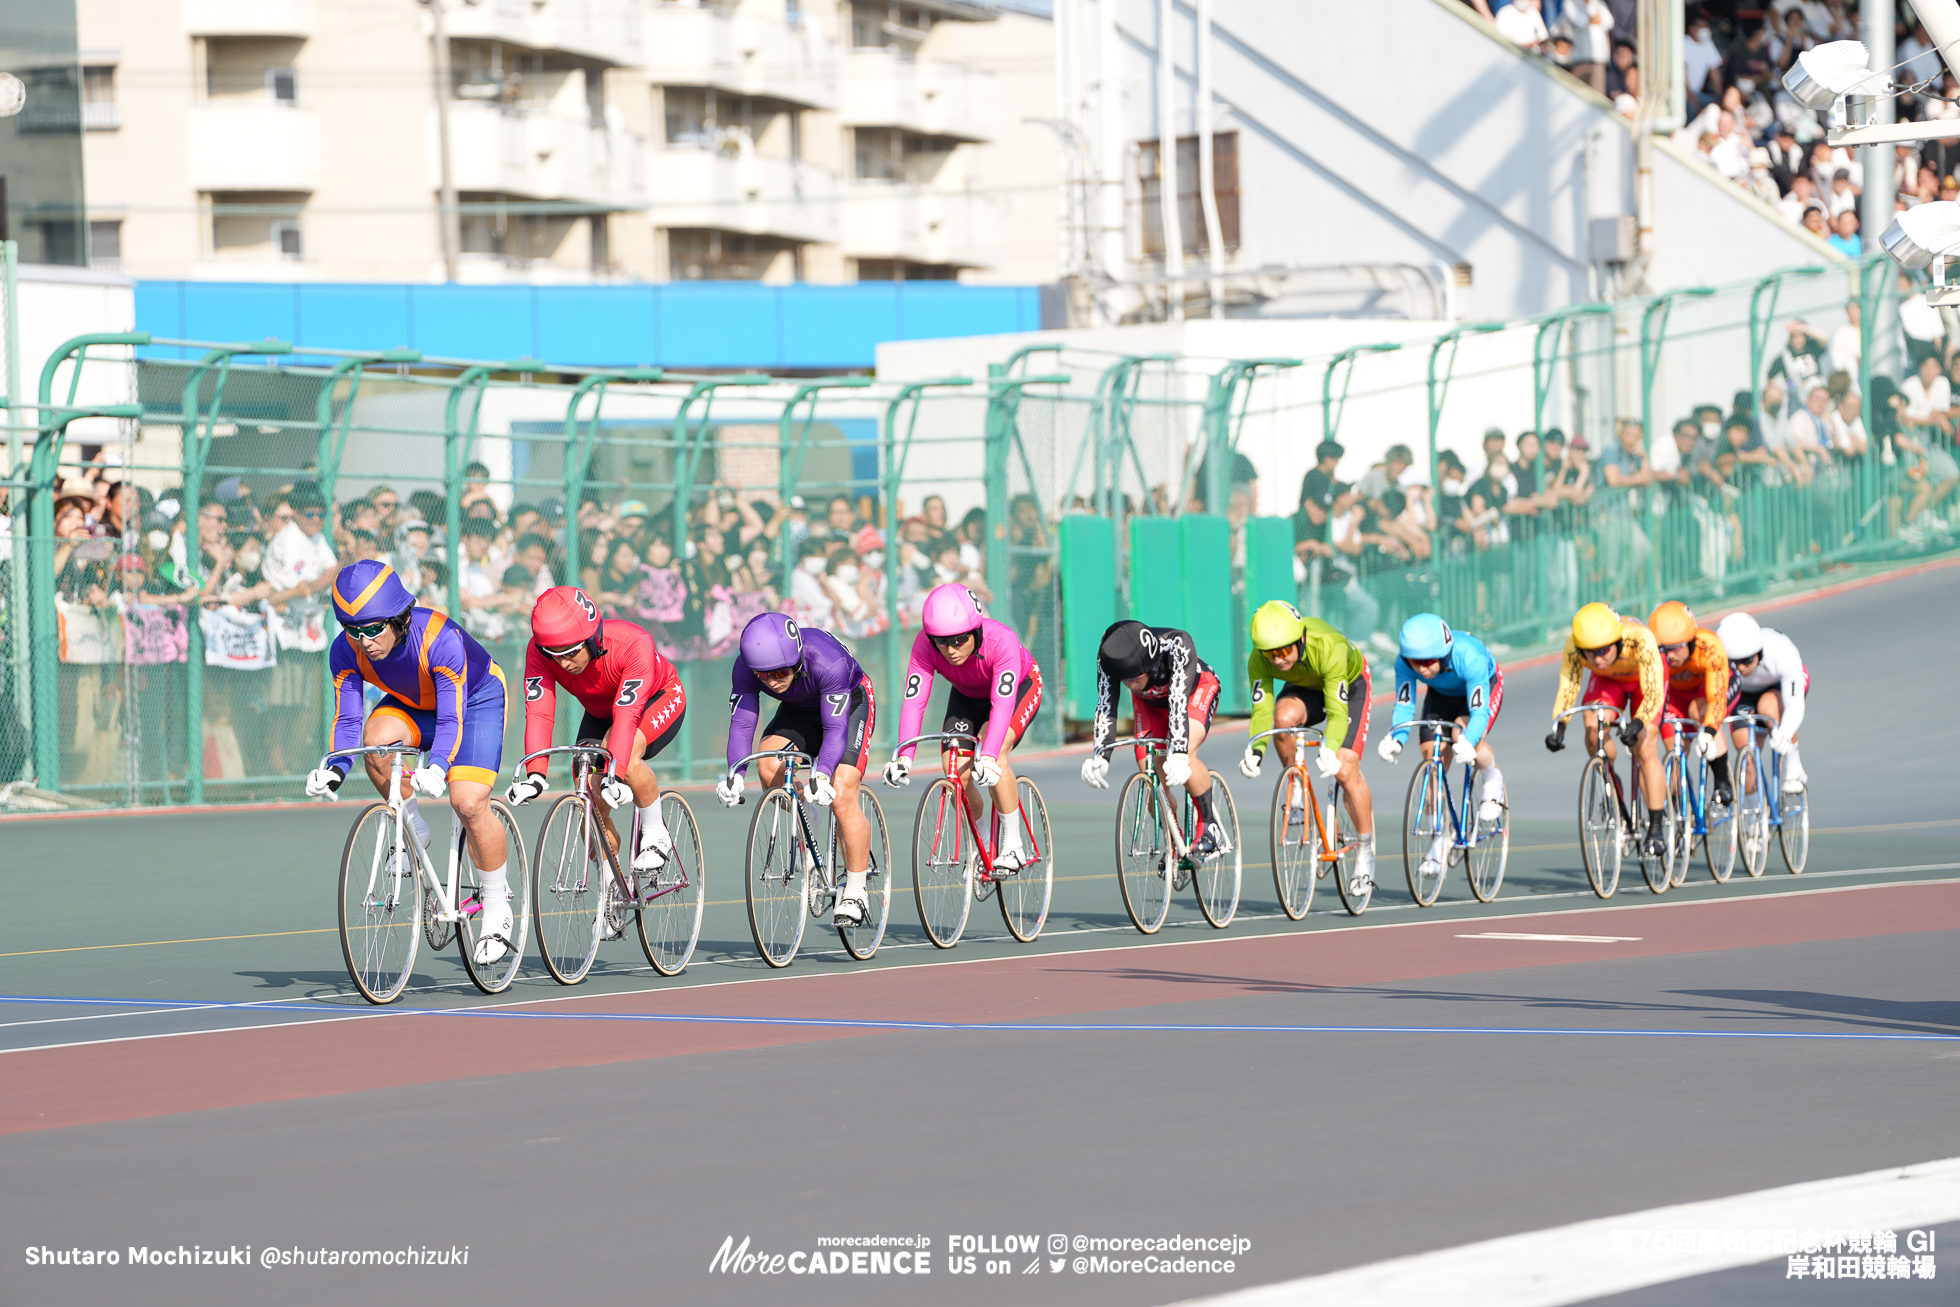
[[1214, 937], [1578, 1263], [1559, 939]]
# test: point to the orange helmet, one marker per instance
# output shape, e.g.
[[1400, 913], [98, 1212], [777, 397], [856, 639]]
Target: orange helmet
[[1672, 623]]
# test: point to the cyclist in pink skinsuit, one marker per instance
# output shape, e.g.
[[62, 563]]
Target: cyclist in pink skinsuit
[[996, 692]]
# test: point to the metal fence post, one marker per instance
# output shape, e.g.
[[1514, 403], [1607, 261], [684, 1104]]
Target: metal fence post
[[1760, 317], [895, 456], [1653, 335]]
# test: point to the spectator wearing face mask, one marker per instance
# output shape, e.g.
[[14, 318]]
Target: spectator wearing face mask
[[1703, 64], [1521, 24], [1588, 25]]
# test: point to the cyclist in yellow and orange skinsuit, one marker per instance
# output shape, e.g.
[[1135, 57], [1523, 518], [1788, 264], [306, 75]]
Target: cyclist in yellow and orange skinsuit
[[1628, 673], [1697, 685]]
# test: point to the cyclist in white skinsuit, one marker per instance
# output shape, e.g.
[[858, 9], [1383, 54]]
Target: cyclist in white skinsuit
[[1767, 676]]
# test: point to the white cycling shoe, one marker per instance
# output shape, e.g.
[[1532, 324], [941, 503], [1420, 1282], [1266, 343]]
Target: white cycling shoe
[[1009, 862], [493, 940], [1793, 776], [654, 852], [850, 911]]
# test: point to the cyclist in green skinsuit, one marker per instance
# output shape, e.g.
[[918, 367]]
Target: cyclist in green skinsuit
[[1324, 682]]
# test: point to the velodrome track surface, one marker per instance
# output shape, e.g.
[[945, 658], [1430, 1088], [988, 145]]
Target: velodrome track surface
[[219, 1086]]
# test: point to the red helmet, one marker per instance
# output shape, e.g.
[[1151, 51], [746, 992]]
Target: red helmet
[[564, 619]]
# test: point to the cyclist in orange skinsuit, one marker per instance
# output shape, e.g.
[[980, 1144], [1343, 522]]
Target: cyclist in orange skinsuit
[[1697, 685]]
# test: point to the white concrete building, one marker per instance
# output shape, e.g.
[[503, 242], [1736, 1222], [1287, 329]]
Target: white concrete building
[[823, 140]]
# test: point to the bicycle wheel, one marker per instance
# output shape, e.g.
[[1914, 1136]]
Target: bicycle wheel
[[1718, 845], [1217, 880], [1490, 845], [1347, 851], [1424, 821], [1751, 812], [1024, 897], [673, 898], [569, 892], [862, 940], [1599, 828], [942, 865], [1143, 855], [1677, 826], [1794, 832], [1288, 827], [380, 909], [773, 878], [495, 977]]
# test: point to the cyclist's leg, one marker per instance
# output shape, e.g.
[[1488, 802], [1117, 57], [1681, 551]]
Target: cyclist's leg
[[1295, 706], [853, 827], [663, 723], [1202, 707], [389, 725], [473, 771]]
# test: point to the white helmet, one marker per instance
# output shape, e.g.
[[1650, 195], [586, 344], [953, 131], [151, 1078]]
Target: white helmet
[[1740, 636]]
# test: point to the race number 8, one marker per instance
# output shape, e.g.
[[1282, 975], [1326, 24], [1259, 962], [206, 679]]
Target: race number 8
[[912, 686], [1005, 689]]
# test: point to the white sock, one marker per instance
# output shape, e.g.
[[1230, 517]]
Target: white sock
[[651, 824], [1010, 830], [854, 884], [1493, 782], [496, 884], [416, 821]]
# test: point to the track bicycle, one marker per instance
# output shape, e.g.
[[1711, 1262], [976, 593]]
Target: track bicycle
[[1153, 841], [584, 895], [953, 867], [1608, 832], [1765, 806], [1483, 849], [1303, 849], [1697, 813], [785, 874], [383, 915]]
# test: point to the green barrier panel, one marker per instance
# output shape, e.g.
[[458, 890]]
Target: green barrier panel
[[1089, 605], [1268, 575], [1156, 571], [1207, 589]]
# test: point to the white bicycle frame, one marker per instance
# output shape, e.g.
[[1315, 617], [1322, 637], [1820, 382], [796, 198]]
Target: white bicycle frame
[[447, 910], [825, 881], [1169, 818]]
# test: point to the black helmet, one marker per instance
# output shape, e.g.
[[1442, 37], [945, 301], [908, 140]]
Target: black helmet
[[1127, 650]]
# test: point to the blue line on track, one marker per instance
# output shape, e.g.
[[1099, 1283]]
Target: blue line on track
[[1003, 1027]]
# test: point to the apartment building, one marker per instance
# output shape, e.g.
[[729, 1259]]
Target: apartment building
[[588, 140]]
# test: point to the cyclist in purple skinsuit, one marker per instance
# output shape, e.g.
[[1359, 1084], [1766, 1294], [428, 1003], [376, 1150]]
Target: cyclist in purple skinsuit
[[828, 712]]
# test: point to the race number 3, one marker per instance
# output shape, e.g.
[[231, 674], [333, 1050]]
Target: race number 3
[[629, 692], [533, 688]]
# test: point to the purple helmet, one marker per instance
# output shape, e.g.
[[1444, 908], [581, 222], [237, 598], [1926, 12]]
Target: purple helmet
[[952, 609], [771, 641]]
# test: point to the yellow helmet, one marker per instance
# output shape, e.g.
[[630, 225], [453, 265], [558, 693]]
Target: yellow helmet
[[1276, 625], [1595, 626], [1672, 623]]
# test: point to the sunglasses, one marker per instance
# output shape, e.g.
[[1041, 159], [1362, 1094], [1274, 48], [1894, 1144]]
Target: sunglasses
[[1670, 648], [566, 652], [367, 632], [1745, 662], [1604, 648], [950, 641]]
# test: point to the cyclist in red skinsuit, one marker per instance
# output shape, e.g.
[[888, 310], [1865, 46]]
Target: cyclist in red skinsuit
[[633, 702]]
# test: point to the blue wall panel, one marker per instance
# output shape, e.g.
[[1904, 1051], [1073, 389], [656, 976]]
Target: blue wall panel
[[679, 325]]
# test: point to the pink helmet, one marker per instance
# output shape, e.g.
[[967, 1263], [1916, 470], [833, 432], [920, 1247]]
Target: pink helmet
[[952, 609]]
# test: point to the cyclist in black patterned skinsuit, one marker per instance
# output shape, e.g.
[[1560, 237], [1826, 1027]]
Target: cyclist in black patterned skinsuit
[[1161, 666]]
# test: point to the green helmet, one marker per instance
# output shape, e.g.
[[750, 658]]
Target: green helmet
[[1276, 625]]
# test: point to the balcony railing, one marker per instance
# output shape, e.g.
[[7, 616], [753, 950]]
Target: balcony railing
[[516, 151], [101, 117], [885, 89], [248, 17], [745, 54], [253, 147], [743, 192]]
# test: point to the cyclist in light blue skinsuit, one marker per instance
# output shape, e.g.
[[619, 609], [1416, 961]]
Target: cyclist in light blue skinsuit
[[1462, 683]]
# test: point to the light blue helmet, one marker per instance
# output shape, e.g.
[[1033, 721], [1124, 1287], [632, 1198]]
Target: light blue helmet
[[1426, 636]]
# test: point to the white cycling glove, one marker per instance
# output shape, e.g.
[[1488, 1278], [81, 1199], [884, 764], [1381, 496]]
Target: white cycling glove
[[1095, 771], [1709, 744], [1328, 760], [1459, 752], [1249, 765], [818, 790], [323, 782], [1782, 740], [986, 772], [729, 789], [898, 772], [430, 781], [615, 792], [524, 789], [1177, 769], [1389, 749]]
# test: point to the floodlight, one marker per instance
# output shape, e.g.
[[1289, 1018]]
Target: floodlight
[[1831, 70], [1923, 233]]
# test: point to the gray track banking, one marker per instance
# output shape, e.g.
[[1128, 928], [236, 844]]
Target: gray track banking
[[1326, 1150]]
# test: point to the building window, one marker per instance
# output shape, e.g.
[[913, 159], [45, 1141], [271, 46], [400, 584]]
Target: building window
[[892, 154], [1190, 209], [706, 254], [905, 270], [257, 225], [100, 112], [282, 84], [105, 245], [709, 119], [286, 239], [877, 25]]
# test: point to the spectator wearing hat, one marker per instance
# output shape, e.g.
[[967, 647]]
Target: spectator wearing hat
[[1761, 183]]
